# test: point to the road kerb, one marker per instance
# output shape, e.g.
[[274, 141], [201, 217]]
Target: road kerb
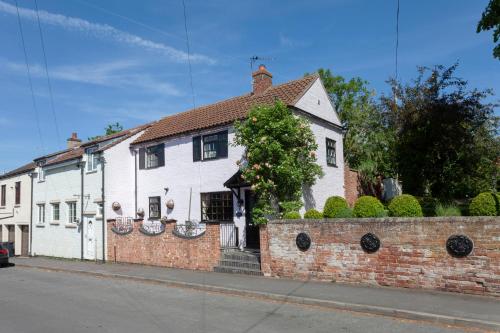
[[361, 308]]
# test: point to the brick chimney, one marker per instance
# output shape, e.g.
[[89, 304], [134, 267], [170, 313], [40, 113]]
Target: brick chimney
[[262, 80], [73, 141]]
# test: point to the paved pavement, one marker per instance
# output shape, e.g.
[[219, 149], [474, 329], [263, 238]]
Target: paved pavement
[[43, 301], [439, 307]]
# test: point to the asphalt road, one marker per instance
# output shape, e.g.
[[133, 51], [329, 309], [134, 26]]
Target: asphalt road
[[52, 302]]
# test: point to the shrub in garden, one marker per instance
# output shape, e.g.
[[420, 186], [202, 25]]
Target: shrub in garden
[[313, 214], [448, 210], [292, 216], [405, 205], [344, 213], [333, 205], [368, 206], [428, 205], [485, 204]]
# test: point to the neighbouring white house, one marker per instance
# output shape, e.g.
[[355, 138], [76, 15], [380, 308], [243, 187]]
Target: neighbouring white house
[[15, 207], [185, 165], [71, 189]]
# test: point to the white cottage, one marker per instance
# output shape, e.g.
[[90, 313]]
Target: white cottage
[[15, 208], [186, 160], [70, 191]]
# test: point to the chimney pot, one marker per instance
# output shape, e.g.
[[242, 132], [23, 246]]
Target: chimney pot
[[73, 141], [262, 79]]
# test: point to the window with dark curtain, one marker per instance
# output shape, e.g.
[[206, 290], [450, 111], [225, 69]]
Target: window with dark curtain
[[18, 193], [331, 153], [2, 195], [217, 206], [211, 146]]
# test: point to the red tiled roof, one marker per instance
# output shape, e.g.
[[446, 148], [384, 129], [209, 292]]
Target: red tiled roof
[[25, 168], [227, 111]]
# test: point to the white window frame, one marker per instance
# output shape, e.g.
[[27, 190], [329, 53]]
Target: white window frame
[[92, 159], [71, 212], [41, 213], [41, 174], [58, 211], [152, 158]]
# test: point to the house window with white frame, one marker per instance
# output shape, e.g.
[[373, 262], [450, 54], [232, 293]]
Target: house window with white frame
[[41, 213], [56, 213], [41, 174], [71, 212], [92, 159], [100, 210]]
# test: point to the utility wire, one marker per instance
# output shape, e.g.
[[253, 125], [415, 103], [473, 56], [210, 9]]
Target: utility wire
[[188, 54], [47, 74], [29, 77], [397, 39]]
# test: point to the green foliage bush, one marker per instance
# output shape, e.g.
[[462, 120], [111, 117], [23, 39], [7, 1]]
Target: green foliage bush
[[405, 205], [448, 210], [368, 206], [485, 204], [333, 205], [344, 213], [313, 214], [292, 216]]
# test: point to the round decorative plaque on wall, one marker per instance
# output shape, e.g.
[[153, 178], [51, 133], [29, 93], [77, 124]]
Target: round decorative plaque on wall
[[459, 246], [303, 241], [116, 205], [370, 243]]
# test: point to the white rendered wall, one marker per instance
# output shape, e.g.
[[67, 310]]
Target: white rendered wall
[[12, 214], [317, 102]]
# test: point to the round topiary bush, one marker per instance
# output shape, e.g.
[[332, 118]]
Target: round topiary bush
[[333, 205], [292, 216], [485, 204], [368, 206], [405, 205], [313, 214]]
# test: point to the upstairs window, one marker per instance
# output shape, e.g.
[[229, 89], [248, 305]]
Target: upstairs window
[[152, 157], [92, 159], [3, 193], [71, 212], [18, 193], [217, 206], [41, 214], [55, 212], [41, 174], [154, 208], [331, 153], [210, 146]]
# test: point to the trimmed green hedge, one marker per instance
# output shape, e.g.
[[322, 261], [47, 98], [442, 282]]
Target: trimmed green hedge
[[313, 214], [368, 206], [333, 205], [292, 216], [485, 204], [405, 205]]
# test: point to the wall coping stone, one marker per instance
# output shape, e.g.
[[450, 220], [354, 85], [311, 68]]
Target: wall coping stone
[[442, 219]]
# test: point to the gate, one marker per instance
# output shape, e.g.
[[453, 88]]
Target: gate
[[228, 235]]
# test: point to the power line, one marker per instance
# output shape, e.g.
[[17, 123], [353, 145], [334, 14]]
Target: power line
[[189, 54], [397, 39], [47, 74], [29, 77]]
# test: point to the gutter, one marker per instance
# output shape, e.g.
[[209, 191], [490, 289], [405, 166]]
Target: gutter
[[103, 212], [135, 183], [31, 218]]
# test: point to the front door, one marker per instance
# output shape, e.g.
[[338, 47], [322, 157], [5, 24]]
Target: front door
[[24, 240], [90, 240], [251, 230]]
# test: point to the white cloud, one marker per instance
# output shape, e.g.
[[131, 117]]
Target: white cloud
[[103, 31], [116, 74]]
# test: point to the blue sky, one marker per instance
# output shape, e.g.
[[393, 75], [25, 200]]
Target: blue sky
[[126, 61]]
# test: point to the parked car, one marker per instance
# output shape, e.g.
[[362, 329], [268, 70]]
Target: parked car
[[4, 255]]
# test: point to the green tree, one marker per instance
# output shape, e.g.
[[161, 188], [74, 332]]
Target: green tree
[[110, 129], [447, 142], [367, 140], [490, 19], [280, 158]]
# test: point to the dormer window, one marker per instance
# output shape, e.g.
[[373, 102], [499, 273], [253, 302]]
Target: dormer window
[[92, 159]]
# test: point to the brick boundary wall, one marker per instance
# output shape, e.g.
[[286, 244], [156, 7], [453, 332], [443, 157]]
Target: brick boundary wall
[[351, 185], [166, 249], [412, 253]]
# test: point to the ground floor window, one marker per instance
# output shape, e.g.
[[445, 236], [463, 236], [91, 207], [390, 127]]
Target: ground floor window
[[217, 206], [55, 212], [41, 213], [71, 212]]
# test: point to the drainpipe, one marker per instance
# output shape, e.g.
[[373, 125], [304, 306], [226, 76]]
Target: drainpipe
[[103, 212], [82, 167], [31, 218], [135, 183]]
